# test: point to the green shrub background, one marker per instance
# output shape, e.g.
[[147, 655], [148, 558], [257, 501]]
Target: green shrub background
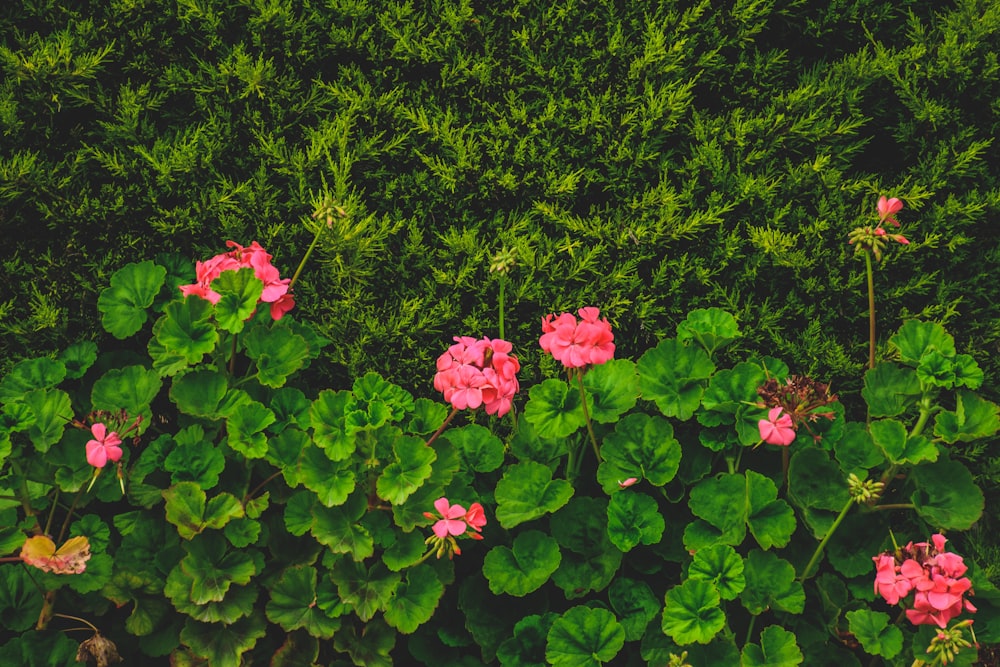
[[647, 158]]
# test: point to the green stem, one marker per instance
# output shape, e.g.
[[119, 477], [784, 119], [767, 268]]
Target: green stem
[[500, 299], [819, 549], [894, 506], [232, 356], [305, 257], [250, 496], [69, 516], [750, 628], [82, 620], [871, 310], [586, 415]]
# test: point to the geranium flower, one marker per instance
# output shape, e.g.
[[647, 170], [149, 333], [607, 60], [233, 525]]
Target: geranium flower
[[71, 558], [476, 518], [103, 447], [452, 521], [887, 210], [478, 373], [254, 256], [578, 344], [777, 429]]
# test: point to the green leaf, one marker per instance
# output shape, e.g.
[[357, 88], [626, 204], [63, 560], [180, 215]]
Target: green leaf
[[968, 374], [891, 438], [526, 648], [277, 352], [634, 518], [728, 391], [915, 339], [554, 408], [239, 292], [589, 560], [245, 427], [186, 329], [777, 649], [242, 532], [28, 375], [890, 389], [946, 495], [427, 416], [771, 519], [527, 445], [936, 370], [187, 508], [973, 418], [223, 645], [615, 388], [584, 637], [332, 482], [293, 604], [722, 503], [722, 567], [641, 446], [366, 590], [815, 481], [856, 451], [693, 613], [327, 417], [771, 584], [20, 603], [337, 528], [527, 491], [211, 568], [635, 605], [291, 409], [523, 568], [415, 599], [408, 472], [77, 358], [404, 551], [131, 389], [52, 411], [123, 305], [873, 630], [370, 646], [199, 392], [711, 328], [481, 450], [673, 375]]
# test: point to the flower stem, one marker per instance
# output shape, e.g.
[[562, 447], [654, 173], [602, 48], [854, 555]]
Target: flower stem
[[819, 549], [454, 411], [77, 618], [305, 257], [586, 415], [871, 310], [500, 299]]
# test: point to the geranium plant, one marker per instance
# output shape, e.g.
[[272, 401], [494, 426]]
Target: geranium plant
[[683, 507]]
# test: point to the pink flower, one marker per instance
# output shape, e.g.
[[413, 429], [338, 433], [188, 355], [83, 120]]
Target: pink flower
[[476, 518], [887, 210], [104, 447], [578, 344], [452, 521], [777, 429], [624, 484], [275, 290], [474, 373]]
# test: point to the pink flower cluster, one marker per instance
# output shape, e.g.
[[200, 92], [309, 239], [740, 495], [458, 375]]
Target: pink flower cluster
[[933, 575], [473, 373], [255, 257], [577, 344], [454, 521]]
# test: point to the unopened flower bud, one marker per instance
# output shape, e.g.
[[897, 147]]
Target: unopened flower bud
[[864, 491]]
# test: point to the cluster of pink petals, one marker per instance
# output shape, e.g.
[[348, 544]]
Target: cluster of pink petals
[[455, 519], [255, 257], [933, 575], [577, 344], [778, 428], [474, 373], [103, 447], [887, 210]]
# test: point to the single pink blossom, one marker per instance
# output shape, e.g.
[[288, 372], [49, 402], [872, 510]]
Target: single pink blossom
[[887, 210], [777, 429], [452, 521], [476, 518], [103, 447]]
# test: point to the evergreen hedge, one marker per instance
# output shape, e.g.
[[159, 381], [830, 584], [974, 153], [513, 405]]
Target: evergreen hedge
[[647, 158]]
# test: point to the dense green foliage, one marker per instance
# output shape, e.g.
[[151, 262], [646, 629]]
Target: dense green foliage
[[644, 157]]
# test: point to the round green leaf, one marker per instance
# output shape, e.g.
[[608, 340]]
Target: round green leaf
[[52, 411], [947, 496], [524, 567], [239, 292], [634, 518], [293, 603], [408, 472], [856, 451], [186, 330], [123, 305], [527, 647], [777, 649], [199, 392], [711, 328], [635, 605], [973, 418], [29, 375], [415, 599], [615, 388], [891, 438], [722, 566], [692, 612], [771, 584], [584, 637], [673, 375], [527, 491], [223, 645], [482, 450], [131, 389], [554, 409], [771, 520], [873, 630], [640, 446], [815, 480], [890, 389], [915, 339], [277, 352]]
